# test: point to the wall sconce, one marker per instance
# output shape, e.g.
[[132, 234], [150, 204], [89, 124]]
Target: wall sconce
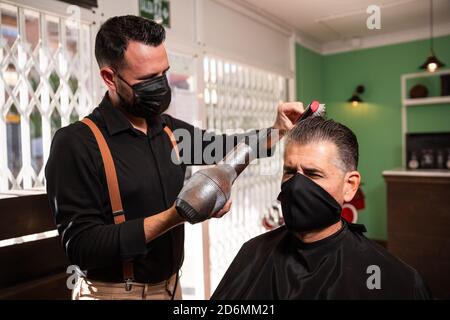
[[355, 99]]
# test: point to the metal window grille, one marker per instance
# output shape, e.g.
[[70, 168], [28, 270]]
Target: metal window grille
[[241, 98], [46, 83]]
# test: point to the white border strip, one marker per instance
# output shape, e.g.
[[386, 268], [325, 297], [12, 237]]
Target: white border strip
[[29, 238], [417, 173]]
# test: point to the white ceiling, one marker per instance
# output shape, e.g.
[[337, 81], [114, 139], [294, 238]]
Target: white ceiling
[[330, 22]]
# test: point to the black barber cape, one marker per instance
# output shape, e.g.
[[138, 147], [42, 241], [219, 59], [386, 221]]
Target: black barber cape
[[277, 265]]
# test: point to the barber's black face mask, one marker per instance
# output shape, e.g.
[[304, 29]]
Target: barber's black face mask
[[150, 97], [306, 205]]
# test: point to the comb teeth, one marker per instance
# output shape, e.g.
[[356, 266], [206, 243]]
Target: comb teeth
[[320, 112]]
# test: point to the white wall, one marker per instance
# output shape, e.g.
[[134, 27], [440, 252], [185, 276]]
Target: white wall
[[234, 35], [200, 26]]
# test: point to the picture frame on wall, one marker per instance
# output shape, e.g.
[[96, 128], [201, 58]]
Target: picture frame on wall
[[157, 10]]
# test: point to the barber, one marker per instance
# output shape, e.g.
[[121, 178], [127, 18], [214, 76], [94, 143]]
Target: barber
[[135, 252]]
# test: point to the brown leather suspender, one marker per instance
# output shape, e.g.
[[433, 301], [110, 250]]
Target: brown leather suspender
[[113, 190], [110, 170], [173, 141], [113, 185]]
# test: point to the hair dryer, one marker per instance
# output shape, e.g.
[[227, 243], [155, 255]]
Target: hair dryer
[[208, 190]]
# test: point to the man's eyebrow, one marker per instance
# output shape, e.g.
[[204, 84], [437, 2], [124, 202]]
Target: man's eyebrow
[[152, 75], [312, 170], [289, 168]]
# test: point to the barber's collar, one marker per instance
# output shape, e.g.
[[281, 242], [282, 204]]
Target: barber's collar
[[116, 121]]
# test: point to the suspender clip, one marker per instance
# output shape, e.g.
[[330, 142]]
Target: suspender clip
[[128, 284]]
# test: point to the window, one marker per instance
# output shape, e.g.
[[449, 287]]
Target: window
[[241, 98], [46, 83]]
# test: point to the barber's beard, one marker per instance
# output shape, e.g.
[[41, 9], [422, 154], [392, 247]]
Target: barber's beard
[[125, 102]]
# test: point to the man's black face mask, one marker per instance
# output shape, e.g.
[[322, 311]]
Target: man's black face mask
[[306, 205], [150, 97]]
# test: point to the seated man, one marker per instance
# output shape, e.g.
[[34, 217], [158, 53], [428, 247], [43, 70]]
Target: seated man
[[317, 255]]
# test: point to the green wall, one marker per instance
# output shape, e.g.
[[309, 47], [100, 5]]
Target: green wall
[[309, 75], [377, 122]]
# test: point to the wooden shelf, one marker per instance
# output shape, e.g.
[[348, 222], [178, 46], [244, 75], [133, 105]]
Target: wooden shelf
[[424, 74], [407, 102], [425, 101]]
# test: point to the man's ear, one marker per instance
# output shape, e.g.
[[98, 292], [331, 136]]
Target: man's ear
[[107, 75], [352, 180]]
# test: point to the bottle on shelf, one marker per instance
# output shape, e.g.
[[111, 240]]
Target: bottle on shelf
[[413, 163]]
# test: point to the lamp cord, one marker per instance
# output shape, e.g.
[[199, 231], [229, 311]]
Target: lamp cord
[[431, 27]]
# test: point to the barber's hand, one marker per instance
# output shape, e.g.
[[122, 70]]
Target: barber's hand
[[226, 208], [287, 116]]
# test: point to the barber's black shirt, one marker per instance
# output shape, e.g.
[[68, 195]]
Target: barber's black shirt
[[149, 183]]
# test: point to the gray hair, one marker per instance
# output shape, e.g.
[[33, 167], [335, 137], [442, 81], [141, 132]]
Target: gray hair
[[316, 129]]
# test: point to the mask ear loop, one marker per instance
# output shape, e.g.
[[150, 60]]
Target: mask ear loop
[[126, 82]]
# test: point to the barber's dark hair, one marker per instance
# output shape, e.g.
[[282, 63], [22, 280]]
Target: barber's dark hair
[[114, 35], [316, 129]]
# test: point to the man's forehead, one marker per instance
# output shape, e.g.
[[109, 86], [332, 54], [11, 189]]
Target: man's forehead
[[142, 59], [314, 154]]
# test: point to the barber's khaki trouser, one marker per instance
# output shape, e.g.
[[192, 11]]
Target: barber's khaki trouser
[[86, 289]]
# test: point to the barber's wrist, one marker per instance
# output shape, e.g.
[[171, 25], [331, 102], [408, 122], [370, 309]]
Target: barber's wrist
[[176, 217], [279, 132]]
